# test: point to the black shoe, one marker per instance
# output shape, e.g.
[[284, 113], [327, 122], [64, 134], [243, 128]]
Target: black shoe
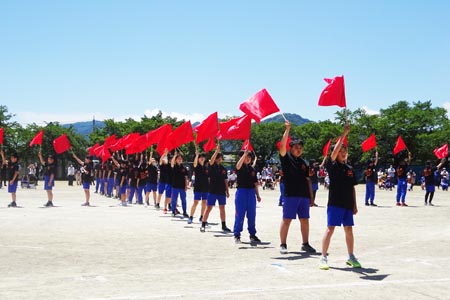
[[185, 215], [202, 229], [431, 204], [201, 218], [237, 239], [254, 239], [49, 204], [12, 204], [157, 206], [170, 206], [307, 248], [367, 204], [373, 204], [226, 229]]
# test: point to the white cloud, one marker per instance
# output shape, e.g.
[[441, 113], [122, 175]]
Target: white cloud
[[370, 111], [446, 105]]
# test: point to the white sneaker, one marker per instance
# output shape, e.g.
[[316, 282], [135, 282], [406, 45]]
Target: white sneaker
[[323, 263], [283, 249]]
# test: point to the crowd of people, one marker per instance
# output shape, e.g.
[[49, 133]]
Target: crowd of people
[[140, 179]]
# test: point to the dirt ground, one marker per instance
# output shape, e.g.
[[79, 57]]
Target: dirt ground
[[111, 252]]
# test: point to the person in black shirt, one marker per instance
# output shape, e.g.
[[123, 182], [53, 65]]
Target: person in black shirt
[[402, 175], [179, 184], [122, 176], [370, 174], [245, 200], [200, 185], [165, 180], [152, 182], [298, 196], [218, 189], [132, 179], [142, 179], [49, 176], [428, 173], [341, 201], [13, 175], [86, 176]]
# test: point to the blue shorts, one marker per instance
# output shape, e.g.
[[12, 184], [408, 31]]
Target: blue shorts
[[163, 187], [296, 206], [200, 196], [123, 189], [86, 185], [430, 188], [213, 197], [46, 180], [12, 188], [315, 186], [151, 187], [337, 216]]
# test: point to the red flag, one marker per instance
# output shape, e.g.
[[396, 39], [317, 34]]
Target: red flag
[[130, 144], [37, 140], [247, 146], [2, 133], [236, 129], [105, 154], [124, 141], [109, 141], [400, 145], [165, 142], [61, 144], [287, 144], [345, 141], [91, 150], [98, 150], [207, 129], [326, 148], [182, 135], [333, 93], [259, 106], [369, 143], [210, 145], [441, 152], [155, 136]]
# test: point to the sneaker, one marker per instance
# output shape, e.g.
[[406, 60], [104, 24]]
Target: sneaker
[[85, 204], [165, 211], [49, 204], [283, 249], [12, 204], [147, 203], [254, 239], [190, 220], [367, 204], [323, 263], [177, 211], [237, 239], [123, 204], [202, 229], [353, 262], [185, 215], [426, 203], [307, 248], [431, 204], [398, 204], [200, 219], [404, 204], [226, 229], [157, 206], [174, 214], [170, 206], [373, 204]]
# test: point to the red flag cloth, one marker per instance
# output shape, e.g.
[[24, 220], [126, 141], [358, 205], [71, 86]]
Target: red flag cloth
[[287, 144], [2, 133], [326, 148], [247, 146], [155, 136], [165, 142], [182, 135], [333, 93], [109, 141], [91, 150], [131, 145], [210, 145], [37, 140], [105, 154], [124, 141], [345, 141], [208, 128], [98, 150], [259, 106], [61, 144], [369, 143], [400, 145], [236, 129], [441, 152]]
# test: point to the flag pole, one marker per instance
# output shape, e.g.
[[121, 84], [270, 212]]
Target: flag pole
[[284, 117]]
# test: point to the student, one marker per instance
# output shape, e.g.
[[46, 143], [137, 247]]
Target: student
[[298, 196], [122, 176], [49, 176], [165, 179], [70, 174], [428, 174], [12, 175], [86, 176], [132, 179], [179, 184], [218, 189], [200, 185], [341, 202], [152, 182], [142, 179], [314, 178], [98, 177], [402, 171], [371, 177], [245, 200]]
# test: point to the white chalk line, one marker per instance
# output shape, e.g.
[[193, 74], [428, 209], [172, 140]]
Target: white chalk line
[[22, 247], [281, 289]]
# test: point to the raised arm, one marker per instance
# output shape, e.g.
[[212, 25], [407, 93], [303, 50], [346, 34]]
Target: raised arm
[[162, 156], [409, 158], [284, 139], [41, 159], [241, 160], [439, 166], [213, 157], [196, 159], [173, 160], [3, 157], [338, 145], [256, 159], [77, 159], [376, 158]]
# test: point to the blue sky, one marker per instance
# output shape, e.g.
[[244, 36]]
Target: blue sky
[[70, 60]]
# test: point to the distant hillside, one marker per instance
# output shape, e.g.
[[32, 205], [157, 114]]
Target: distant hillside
[[85, 128], [292, 118]]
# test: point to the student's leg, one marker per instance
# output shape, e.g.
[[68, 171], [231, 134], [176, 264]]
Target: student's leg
[[194, 207], [223, 217], [240, 203], [367, 193], [284, 229], [303, 215], [183, 201], [50, 195], [349, 239], [207, 212], [251, 213], [87, 195], [431, 196], [403, 193], [426, 197], [327, 239], [204, 205], [372, 192]]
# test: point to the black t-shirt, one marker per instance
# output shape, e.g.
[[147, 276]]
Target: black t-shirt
[[295, 176], [428, 173], [246, 177], [86, 175], [313, 174], [143, 175], [217, 175], [12, 169], [123, 174], [371, 174], [201, 179], [179, 174], [164, 173], [132, 175], [152, 174], [342, 182], [402, 171], [98, 169], [49, 169]]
